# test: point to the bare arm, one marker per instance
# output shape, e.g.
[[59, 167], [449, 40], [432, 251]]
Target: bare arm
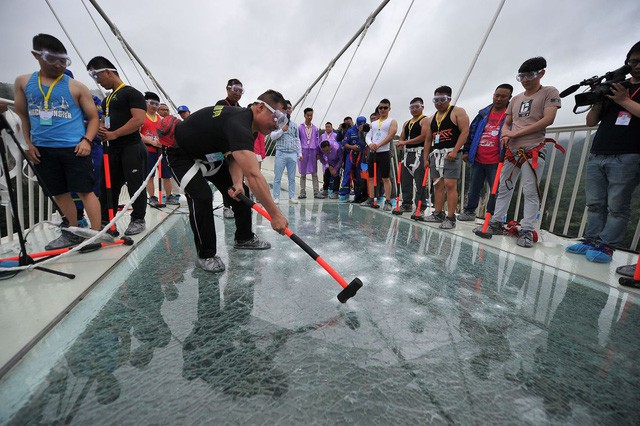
[[462, 121], [245, 164], [593, 116], [20, 105], [131, 126], [85, 101]]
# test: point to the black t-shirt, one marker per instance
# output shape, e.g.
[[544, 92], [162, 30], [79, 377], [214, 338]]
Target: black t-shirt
[[216, 129], [616, 139], [227, 102], [120, 113]]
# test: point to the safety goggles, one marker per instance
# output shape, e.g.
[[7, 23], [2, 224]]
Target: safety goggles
[[279, 117], [383, 107], [54, 58], [153, 103], [237, 89], [416, 106], [633, 62], [94, 73], [440, 99], [527, 76]]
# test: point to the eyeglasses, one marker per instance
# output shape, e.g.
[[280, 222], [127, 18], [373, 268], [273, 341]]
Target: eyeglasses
[[153, 103], [279, 117], [94, 73], [527, 76], [237, 89], [383, 107], [440, 99], [633, 62], [54, 58], [416, 106]]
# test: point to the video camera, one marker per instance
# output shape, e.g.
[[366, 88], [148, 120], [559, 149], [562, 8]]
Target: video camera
[[600, 87]]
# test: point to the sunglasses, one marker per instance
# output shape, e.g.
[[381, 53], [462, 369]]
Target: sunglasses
[[236, 89], [94, 73], [279, 117], [527, 76], [440, 99], [54, 58], [383, 107]]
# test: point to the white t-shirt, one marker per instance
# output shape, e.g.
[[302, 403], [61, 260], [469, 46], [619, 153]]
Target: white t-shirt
[[379, 131]]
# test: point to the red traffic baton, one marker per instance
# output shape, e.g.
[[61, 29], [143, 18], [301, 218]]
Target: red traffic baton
[[348, 290]]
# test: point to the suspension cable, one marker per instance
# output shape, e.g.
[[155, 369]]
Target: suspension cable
[[367, 25], [72, 43], [475, 58], [120, 67], [314, 99], [385, 58]]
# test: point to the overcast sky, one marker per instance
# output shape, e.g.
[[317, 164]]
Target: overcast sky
[[194, 46]]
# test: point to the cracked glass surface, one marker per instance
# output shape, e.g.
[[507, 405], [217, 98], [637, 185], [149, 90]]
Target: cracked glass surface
[[445, 330]]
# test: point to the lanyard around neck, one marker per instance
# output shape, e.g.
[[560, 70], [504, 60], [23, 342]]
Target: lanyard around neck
[[48, 95], [108, 101], [443, 117], [411, 124]]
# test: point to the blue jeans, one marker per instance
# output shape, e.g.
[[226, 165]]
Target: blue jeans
[[479, 173], [290, 161], [610, 182]]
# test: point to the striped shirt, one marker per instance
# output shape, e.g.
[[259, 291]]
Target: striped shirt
[[287, 141]]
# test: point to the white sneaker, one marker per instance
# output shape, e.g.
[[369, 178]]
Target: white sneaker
[[293, 201]]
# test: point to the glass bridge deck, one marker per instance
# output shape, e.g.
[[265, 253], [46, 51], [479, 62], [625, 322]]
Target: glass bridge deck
[[445, 330]]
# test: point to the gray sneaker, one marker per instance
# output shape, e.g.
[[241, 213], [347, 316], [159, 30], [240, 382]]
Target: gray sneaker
[[153, 201], [525, 239], [325, 192], [494, 228], [302, 196], [406, 208], [367, 203], [135, 227], [333, 196], [467, 216], [448, 223], [211, 264], [252, 244], [319, 196], [172, 200], [227, 213], [66, 239], [387, 206], [435, 217]]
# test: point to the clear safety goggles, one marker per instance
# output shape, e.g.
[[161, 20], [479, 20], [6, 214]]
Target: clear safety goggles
[[54, 58], [153, 103], [94, 73], [279, 117], [237, 89], [416, 106], [527, 76], [440, 99]]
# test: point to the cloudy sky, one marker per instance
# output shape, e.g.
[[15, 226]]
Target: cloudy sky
[[194, 46]]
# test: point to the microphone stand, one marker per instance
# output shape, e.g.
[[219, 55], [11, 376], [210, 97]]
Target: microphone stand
[[23, 257]]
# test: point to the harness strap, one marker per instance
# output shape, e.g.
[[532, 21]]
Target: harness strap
[[199, 166], [412, 167], [439, 157]]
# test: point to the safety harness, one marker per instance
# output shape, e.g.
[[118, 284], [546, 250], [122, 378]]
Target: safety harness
[[412, 167], [208, 168]]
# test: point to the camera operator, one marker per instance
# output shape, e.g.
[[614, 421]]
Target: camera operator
[[613, 168]]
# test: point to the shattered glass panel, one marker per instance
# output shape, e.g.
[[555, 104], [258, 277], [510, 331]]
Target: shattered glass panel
[[445, 330]]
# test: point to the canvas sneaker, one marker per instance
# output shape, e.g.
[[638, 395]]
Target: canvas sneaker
[[153, 201], [525, 239], [135, 227], [387, 206], [435, 217], [227, 213], [448, 223], [319, 196], [467, 216], [253, 244], [172, 200], [601, 253], [66, 239], [211, 264]]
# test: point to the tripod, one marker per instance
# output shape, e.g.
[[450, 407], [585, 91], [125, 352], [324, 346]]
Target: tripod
[[23, 257]]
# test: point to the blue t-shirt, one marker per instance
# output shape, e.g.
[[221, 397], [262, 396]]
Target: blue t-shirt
[[67, 125]]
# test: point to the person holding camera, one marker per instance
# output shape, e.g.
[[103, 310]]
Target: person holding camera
[[613, 167]]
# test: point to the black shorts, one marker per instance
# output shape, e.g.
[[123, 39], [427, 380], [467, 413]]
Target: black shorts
[[62, 171], [383, 161]]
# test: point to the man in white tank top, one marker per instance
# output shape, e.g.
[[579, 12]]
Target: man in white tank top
[[379, 140]]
